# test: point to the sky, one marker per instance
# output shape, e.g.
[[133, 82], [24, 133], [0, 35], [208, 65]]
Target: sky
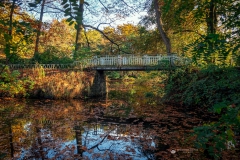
[[132, 20], [94, 14]]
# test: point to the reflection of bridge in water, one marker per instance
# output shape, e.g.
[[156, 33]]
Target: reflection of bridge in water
[[114, 63]]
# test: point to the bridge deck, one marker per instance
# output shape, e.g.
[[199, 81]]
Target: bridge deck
[[129, 68]]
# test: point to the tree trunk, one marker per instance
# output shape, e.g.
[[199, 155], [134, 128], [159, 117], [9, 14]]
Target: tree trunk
[[9, 40], [163, 34], [11, 140], [11, 17], [79, 26], [39, 29], [211, 18]]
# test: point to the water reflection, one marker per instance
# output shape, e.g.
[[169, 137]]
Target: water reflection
[[128, 124], [114, 141], [71, 130]]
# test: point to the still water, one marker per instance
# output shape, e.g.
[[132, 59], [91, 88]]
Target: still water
[[124, 125]]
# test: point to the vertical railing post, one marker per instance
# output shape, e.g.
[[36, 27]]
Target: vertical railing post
[[95, 61], [101, 61], [119, 60], [124, 60], [147, 60], [144, 60]]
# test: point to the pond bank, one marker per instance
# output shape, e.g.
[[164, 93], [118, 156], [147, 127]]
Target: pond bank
[[193, 93], [47, 84], [214, 91]]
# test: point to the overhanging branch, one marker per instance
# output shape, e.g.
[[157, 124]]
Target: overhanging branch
[[109, 39], [187, 30]]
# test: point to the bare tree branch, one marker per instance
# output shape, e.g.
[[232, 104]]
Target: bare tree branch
[[85, 34], [118, 46], [96, 145], [187, 30], [103, 5], [103, 23], [129, 6]]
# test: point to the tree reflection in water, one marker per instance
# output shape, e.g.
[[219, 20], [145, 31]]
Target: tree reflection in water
[[130, 124], [62, 130], [115, 140]]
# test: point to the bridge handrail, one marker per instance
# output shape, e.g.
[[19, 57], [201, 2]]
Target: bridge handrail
[[111, 60], [127, 60]]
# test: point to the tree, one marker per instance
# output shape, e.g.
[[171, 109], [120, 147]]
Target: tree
[[15, 29], [220, 40], [79, 21], [58, 36], [43, 4], [101, 13], [159, 22], [39, 26], [132, 40]]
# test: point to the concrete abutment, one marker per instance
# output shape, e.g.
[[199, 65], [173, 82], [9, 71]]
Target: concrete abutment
[[99, 86]]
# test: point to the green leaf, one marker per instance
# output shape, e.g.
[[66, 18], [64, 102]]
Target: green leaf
[[64, 2], [217, 108], [230, 134], [32, 4], [68, 11], [75, 8], [66, 6], [76, 26], [86, 3], [69, 19], [75, 4], [71, 23]]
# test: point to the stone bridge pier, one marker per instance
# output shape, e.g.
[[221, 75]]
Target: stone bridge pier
[[99, 86]]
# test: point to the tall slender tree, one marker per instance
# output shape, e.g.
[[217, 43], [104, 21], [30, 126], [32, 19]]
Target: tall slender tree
[[41, 7], [79, 25], [39, 28], [160, 25]]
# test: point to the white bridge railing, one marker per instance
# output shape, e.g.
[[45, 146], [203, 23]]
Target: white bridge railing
[[112, 60], [131, 60]]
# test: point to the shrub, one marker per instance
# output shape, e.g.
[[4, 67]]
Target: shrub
[[221, 135], [13, 86], [114, 75], [205, 87], [217, 90], [52, 55], [61, 85]]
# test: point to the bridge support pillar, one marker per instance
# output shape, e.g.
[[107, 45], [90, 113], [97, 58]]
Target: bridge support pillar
[[99, 86]]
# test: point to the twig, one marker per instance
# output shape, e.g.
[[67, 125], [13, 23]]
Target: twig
[[106, 37], [96, 145], [103, 5]]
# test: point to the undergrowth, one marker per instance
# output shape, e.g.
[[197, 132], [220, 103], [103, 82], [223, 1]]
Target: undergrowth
[[39, 83], [215, 89], [12, 85], [61, 85]]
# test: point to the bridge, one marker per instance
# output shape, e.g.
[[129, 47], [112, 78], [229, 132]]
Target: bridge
[[131, 62], [113, 63]]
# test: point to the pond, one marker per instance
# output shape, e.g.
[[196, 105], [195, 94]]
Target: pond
[[127, 124]]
